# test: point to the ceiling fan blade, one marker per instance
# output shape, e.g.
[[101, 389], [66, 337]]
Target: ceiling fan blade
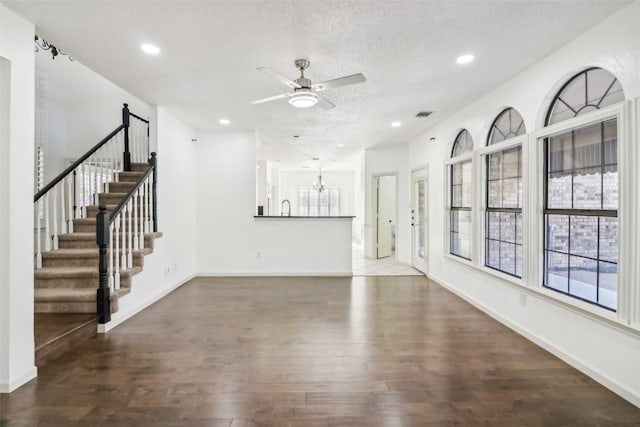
[[273, 98], [276, 75], [341, 81], [324, 104]]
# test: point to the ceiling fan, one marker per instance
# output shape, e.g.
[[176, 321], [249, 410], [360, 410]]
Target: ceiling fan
[[304, 93]]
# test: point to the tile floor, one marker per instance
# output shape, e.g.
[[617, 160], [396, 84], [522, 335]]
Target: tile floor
[[379, 267]]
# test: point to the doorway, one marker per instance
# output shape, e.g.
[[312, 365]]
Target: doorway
[[419, 228], [386, 215]]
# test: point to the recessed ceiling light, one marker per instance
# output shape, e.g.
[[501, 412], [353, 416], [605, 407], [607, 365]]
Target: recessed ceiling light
[[465, 59], [396, 124], [150, 49], [224, 121], [340, 145]]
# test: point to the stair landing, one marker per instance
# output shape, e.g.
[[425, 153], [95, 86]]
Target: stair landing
[[55, 333]]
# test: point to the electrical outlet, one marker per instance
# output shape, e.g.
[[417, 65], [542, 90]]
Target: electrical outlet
[[523, 300]]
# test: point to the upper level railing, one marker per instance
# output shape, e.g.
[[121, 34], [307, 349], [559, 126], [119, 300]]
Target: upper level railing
[[68, 196]]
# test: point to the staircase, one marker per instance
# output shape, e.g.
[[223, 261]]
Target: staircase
[[68, 279], [95, 222]]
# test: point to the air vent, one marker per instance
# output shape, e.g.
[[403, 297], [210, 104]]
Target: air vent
[[424, 113]]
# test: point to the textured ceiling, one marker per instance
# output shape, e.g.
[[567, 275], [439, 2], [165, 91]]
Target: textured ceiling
[[406, 49]]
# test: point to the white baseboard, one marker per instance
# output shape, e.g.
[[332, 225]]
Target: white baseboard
[[19, 382], [120, 316], [277, 274], [580, 365]]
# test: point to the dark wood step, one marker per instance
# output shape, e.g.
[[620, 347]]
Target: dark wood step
[[57, 333]]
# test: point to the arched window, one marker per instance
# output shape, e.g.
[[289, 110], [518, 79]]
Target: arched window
[[581, 192], [462, 144], [507, 125], [461, 190], [587, 91], [503, 220]]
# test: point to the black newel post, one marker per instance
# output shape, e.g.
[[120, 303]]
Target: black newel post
[[102, 237], [153, 161], [125, 123]]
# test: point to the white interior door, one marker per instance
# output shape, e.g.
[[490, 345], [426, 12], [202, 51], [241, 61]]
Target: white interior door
[[419, 219], [386, 204]]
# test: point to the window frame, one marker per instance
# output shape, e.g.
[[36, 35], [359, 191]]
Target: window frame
[[493, 127], [626, 247], [449, 163], [484, 152]]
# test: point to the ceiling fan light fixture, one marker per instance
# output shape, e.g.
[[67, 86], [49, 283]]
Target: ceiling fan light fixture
[[303, 99]]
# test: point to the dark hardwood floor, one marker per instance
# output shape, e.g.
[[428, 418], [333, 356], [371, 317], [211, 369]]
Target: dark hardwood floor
[[367, 351]]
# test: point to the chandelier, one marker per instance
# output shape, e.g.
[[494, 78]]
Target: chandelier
[[45, 45], [319, 184]]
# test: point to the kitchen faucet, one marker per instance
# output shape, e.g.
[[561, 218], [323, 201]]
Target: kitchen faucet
[[282, 208]]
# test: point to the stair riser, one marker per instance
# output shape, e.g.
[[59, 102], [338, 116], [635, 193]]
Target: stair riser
[[91, 244], [120, 187], [72, 307], [84, 228], [75, 283], [130, 177], [92, 210], [139, 167], [138, 261]]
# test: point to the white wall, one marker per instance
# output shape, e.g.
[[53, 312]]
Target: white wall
[[173, 260], [79, 106], [231, 241], [606, 352], [16, 202], [262, 184], [391, 159]]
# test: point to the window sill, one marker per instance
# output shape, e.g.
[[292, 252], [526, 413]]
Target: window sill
[[487, 270], [601, 315]]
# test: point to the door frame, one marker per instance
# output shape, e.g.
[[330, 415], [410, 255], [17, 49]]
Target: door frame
[[374, 210], [426, 224]]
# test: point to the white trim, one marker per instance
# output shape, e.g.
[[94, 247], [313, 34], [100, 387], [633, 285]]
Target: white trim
[[120, 316], [582, 120], [503, 145], [459, 259], [634, 138], [278, 274], [627, 205], [583, 367], [424, 168], [461, 158], [20, 381]]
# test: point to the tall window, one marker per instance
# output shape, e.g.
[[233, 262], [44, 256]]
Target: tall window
[[581, 193], [461, 189], [503, 234]]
